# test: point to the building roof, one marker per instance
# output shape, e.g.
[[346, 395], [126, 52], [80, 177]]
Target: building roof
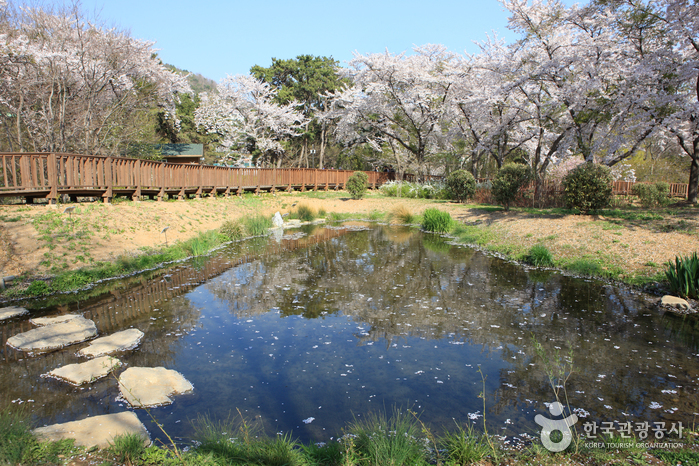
[[181, 150]]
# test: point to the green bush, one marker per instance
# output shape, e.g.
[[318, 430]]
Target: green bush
[[651, 195], [683, 276], [539, 256], [465, 446], [357, 184], [231, 230], [436, 221], [305, 213], [509, 181], [461, 185], [257, 225], [588, 187], [377, 439], [127, 448]]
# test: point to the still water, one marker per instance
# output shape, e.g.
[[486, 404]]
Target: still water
[[304, 333]]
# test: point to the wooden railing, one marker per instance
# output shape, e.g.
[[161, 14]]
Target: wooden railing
[[41, 175]]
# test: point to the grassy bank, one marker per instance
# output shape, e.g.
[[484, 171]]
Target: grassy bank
[[378, 439], [598, 246]]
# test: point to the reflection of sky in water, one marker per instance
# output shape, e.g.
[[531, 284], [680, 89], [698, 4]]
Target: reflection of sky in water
[[289, 369], [367, 320]]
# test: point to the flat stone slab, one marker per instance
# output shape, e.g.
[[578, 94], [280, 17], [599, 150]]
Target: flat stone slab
[[120, 341], [95, 431], [56, 332], [674, 301], [43, 321], [86, 372], [144, 387], [10, 312]]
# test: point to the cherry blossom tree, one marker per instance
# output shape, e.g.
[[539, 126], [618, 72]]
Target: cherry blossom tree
[[398, 99], [71, 85], [244, 112]]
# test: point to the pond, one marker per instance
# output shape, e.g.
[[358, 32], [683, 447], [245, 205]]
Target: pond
[[304, 333]]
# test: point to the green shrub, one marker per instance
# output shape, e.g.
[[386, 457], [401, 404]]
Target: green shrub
[[16, 439], [127, 448], [357, 184], [231, 230], [380, 440], [539, 256], [683, 276], [38, 288], [436, 221], [588, 187], [585, 267], [509, 181], [465, 446], [257, 225], [241, 441], [461, 185], [651, 195], [305, 213]]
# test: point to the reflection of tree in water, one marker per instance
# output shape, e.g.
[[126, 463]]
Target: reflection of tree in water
[[400, 284]]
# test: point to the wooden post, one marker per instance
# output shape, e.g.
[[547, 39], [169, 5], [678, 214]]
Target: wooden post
[[53, 179], [137, 178], [108, 194], [315, 179], [161, 194], [201, 186]]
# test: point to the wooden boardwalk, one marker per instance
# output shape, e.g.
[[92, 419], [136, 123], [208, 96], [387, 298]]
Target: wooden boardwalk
[[48, 176]]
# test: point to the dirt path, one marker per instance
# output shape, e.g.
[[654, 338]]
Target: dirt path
[[42, 240]]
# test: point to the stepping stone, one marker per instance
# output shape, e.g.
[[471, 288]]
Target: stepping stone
[[120, 341], [675, 302], [95, 431], [78, 374], [56, 332], [10, 312], [144, 387]]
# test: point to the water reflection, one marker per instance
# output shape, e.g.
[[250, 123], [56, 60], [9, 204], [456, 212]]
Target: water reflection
[[337, 323]]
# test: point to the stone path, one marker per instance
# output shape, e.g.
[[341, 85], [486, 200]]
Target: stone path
[[54, 333], [10, 312], [145, 387], [120, 341], [95, 431], [78, 374]]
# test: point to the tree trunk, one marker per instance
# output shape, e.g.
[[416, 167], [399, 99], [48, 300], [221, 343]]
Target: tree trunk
[[19, 122], [322, 146], [693, 179]]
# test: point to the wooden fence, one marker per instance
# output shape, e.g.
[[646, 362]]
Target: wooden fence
[[48, 175]]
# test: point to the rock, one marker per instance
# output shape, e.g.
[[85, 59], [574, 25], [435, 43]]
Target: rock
[[42, 321], [95, 431], [277, 220], [55, 333], [293, 223], [120, 341], [78, 374], [10, 312], [152, 386], [675, 302]]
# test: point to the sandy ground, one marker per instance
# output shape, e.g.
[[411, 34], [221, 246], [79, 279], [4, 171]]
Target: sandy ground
[[36, 238]]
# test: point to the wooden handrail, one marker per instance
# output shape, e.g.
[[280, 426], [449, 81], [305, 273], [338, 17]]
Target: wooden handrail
[[48, 175]]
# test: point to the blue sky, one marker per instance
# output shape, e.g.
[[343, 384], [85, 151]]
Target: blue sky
[[229, 37]]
